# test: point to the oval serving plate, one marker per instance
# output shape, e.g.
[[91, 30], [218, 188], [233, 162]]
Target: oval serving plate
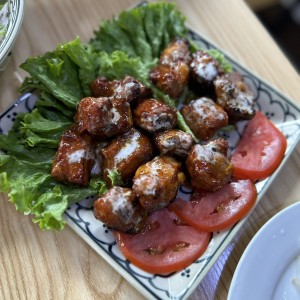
[[270, 266]]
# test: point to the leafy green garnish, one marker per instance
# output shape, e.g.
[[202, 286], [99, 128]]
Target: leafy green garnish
[[39, 130], [142, 32], [115, 177], [127, 45], [33, 191], [118, 63]]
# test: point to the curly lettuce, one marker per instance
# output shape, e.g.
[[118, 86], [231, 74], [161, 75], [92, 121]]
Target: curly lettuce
[[127, 45]]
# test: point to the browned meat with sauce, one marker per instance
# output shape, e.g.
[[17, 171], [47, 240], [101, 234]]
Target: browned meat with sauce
[[119, 209], [103, 117], [93, 115], [156, 182], [204, 117], [98, 161], [74, 158], [235, 97], [128, 89], [153, 115], [102, 87], [121, 121], [204, 70], [125, 154], [173, 142], [208, 165], [172, 72]]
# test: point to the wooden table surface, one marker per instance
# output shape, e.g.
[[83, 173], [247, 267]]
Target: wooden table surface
[[60, 265]]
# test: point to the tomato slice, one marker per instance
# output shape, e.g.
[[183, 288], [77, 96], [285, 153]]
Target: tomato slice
[[165, 245], [260, 150], [219, 210]]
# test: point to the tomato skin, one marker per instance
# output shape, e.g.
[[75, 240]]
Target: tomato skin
[[162, 237], [219, 210], [260, 150]]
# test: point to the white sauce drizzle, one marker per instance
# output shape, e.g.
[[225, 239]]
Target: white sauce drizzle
[[206, 153], [116, 115], [76, 156], [129, 148], [120, 204], [207, 71]]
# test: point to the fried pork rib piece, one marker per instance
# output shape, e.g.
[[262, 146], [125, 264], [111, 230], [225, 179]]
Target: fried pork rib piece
[[156, 182], [204, 68], [93, 115], [172, 72], [128, 89], [153, 115], [121, 121], [208, 165], [74, 158], [120, 210], [234, 96], [125, 154], [103, 117], [173, 142], [204, 117]]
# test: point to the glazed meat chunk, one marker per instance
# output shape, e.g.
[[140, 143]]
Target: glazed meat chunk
[[172, 72], [208, 165], [74, 158], [235, 97], [103, 117], [153, 115], [204, 70], [173, 142], [120, 210], [93, 115], [128, 89], [204, 117], [98, 161], [125, 154], [156, 182], [121, 120], [102, 87]]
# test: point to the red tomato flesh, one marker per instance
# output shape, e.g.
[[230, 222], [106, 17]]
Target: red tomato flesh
[[259, 151], [219, 210], [165, 244]]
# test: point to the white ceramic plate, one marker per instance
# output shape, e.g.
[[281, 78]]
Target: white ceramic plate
[[270, 266], [283, 112]]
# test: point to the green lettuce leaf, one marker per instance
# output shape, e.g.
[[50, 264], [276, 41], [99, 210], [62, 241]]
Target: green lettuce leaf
[[52, 109], [64, 85], [33, 191], [127, 45], [82, 56], [38, 130], [66, 73], [14, 144], [115, 177], [142, 32], [118, 64]]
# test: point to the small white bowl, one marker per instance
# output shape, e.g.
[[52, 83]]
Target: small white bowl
[[270, 266], [11, 17]]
